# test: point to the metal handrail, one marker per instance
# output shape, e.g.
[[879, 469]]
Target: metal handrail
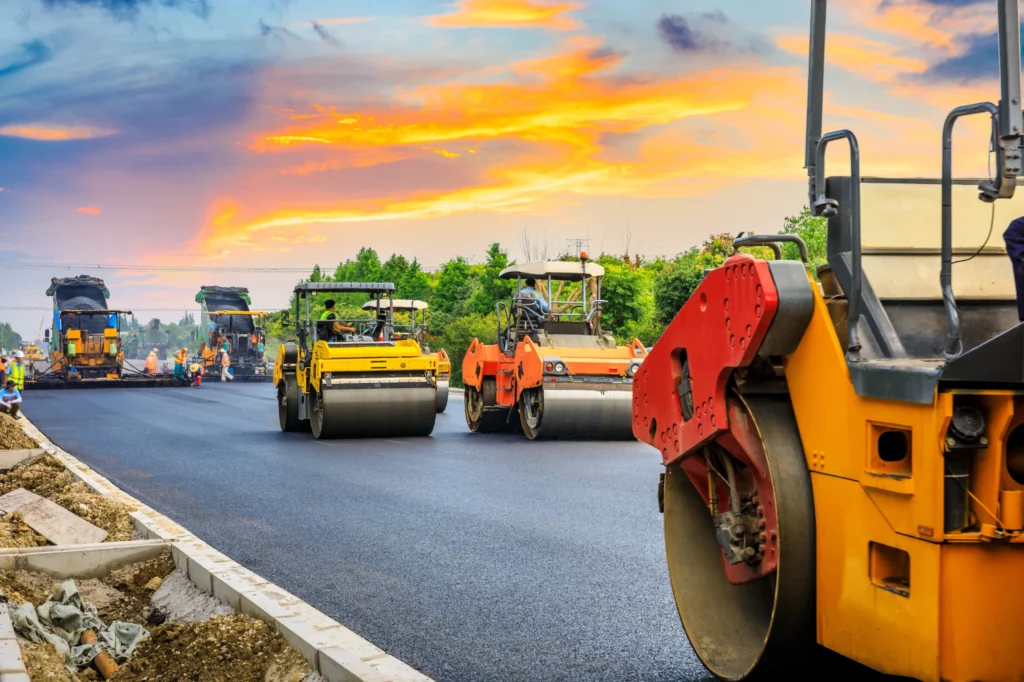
[[823, 206], [954, 343]]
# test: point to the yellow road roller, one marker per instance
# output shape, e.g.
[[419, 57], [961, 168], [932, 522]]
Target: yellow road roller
[[416, 329], [350, 378], [844, 462]]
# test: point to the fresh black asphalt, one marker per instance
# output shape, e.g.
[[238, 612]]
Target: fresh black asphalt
[[473, 558]]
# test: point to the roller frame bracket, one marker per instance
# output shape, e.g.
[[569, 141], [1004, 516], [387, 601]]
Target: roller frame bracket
[[720, 329]]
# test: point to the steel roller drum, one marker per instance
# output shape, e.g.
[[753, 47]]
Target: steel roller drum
[[442, 396], [388, 411], [585, 411]]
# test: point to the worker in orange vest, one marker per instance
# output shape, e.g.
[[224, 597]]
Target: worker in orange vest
[[225, 364], [3, 370], [152, 363]]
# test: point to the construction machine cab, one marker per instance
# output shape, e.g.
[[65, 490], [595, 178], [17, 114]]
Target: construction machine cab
[[415, 329], [905, 330], [356, 331], [573, 310]]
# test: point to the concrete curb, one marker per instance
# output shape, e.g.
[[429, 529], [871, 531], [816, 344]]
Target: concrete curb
[[335, 652], [12, 667]]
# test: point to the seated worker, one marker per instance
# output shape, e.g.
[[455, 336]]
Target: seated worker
[[530, 291], [10, 399], [337, 328]]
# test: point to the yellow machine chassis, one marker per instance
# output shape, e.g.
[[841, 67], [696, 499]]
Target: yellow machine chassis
[[965, 590]]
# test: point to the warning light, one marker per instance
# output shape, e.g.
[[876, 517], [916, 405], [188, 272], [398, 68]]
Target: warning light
[[583, 255]]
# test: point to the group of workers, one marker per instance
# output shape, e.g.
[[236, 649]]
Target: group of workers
[[12, 378], [191, 373]]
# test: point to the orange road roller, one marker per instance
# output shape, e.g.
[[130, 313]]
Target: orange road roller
[[844, 458], [553, 364]]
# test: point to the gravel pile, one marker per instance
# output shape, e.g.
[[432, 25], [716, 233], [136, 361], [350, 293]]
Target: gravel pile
[[12, 437], [48, 478]]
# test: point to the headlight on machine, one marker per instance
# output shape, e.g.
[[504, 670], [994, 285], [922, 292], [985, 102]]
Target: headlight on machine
[[633, 368], [559, 367]]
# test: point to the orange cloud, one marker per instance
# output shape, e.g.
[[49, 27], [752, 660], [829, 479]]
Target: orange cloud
[[50, 132], [925, 24], [566, 99], [878, 60], [91, 210], [509, 14], [559, 110]]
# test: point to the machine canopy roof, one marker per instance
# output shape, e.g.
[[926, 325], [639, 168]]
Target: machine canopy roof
[[555, 269], [241, 292], [397, 304], [82, 281], [345, 287]]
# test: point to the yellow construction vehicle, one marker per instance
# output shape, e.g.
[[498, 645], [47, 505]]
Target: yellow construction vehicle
[[85, 339], [352, 378], [32, 352], [416, 329], [845, 464]]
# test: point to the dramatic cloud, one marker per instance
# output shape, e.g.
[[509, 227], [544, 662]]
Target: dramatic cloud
[[324, 34], [550, 123], [29, 54], [90, 210], [50, 132], [509, 14], [686, 35], [129, 9]]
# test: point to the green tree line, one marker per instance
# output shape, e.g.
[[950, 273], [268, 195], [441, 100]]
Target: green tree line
[[641, 296]]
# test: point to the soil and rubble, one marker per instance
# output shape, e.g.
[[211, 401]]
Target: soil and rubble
[[192, 636], [12, 436], [47, 477]]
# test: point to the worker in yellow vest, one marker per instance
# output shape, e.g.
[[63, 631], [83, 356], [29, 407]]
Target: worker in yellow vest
[[179, 363], [225, 365], [16, 370], [152, 363]]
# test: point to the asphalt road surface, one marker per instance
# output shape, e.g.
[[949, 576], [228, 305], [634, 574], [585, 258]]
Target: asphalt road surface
[[471, 557]]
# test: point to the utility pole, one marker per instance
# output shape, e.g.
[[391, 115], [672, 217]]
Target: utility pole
[[578, 245]]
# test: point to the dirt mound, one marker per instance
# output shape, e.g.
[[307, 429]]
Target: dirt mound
[[44, 663], [12, 437], [48, 478], [25, 586], [14, 532], [223, 649], [131, 581]]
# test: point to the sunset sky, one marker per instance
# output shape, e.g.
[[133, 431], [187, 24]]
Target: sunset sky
[[283, 133]]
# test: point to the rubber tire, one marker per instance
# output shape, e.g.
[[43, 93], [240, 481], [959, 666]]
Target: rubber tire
[[532, 433], [288, 409], [762, 628]]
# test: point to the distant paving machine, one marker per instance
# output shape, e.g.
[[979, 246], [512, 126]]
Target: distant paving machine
[[352, 378], [417, 331], [85, 339], [845, 464], [564, 374], [226, 315]]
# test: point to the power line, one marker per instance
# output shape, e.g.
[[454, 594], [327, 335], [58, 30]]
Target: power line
[[152, 268]]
